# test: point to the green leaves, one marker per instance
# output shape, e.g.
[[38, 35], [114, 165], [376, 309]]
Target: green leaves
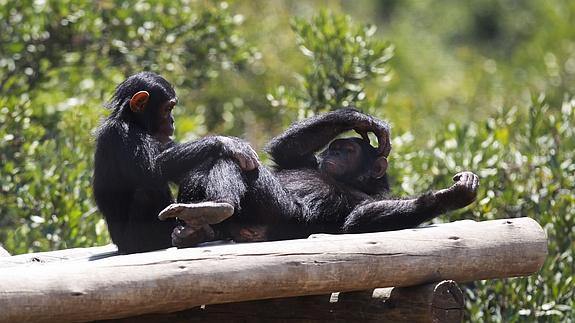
[[60, 64], [60, 61], [526, 163], [344, 58]]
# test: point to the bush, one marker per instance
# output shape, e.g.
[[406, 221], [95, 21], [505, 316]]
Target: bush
[[60, 60], [525, 159], [344, 60], [61, 63]]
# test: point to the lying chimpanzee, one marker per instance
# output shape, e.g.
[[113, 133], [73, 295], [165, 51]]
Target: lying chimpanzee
[[342, 190]]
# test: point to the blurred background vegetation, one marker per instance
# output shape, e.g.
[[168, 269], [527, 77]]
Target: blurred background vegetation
[[484, 85]]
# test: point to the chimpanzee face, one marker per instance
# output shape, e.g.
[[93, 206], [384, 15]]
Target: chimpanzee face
[[165, 121], [343, 157], [351, 160]]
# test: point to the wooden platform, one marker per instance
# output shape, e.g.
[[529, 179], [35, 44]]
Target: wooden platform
[[72, 286]]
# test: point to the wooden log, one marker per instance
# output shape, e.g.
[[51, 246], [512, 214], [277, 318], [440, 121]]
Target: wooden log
[[436, 302], [174, 280], [75, 254]]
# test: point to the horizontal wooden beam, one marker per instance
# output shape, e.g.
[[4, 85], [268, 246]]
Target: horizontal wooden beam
[[440, 302], [174, 280]]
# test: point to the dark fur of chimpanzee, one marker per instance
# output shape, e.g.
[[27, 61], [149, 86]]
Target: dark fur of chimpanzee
[[133, 166], [297, 198]]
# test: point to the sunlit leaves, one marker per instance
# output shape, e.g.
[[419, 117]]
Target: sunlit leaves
[[344, 58], [59, 63], [525, 161]]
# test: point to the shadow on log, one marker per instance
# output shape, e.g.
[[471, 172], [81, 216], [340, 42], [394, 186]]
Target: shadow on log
[[437, 302]]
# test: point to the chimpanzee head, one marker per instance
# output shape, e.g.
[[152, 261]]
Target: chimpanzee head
[[146, 99], [353, 161]]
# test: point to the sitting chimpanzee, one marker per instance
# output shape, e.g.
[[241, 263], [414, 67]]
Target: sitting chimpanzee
[[342, 190], [136, 157]]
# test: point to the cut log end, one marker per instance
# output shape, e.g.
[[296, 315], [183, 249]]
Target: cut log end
[[448, 302]]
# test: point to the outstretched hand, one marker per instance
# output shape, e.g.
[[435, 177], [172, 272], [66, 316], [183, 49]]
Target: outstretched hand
[[468, 184], [463, 192]]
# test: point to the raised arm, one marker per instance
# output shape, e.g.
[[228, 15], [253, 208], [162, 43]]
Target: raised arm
[[179, 159], [297, 146]]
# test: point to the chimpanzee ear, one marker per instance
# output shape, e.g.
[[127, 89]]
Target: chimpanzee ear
[[139, 100], [379, 167]]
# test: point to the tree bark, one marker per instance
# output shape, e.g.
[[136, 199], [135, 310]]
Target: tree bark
[[436, 302], [174, 280]]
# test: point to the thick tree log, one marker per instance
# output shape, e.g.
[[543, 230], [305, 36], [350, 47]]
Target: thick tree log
[[436, 302], [174, 280]]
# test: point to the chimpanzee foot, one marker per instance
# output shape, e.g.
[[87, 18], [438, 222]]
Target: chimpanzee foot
[[186, 236], [198, 214]]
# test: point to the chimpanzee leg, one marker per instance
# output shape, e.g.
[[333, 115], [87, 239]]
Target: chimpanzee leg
[[218, 181], [269, 211], [204, 199], [259, 200], [140, 234], [225, 183], [258, 190], [262, 207]]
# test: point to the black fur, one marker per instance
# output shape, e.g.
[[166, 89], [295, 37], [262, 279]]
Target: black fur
[[297, 198], [133, 168]]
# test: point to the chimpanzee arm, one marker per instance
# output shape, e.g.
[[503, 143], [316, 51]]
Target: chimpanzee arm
[[178, 159], [296, 147], [403, 214]]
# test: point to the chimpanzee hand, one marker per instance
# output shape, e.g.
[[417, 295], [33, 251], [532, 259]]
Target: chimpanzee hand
[[241, 151], [463, 192], [185, 236], [364, 124]]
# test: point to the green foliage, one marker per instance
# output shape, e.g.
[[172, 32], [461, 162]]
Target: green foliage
[[344, 58], [462, 60], [525, 161], [188, 41], [526, 165], [455, 61], [45, 199], [61, 63]]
